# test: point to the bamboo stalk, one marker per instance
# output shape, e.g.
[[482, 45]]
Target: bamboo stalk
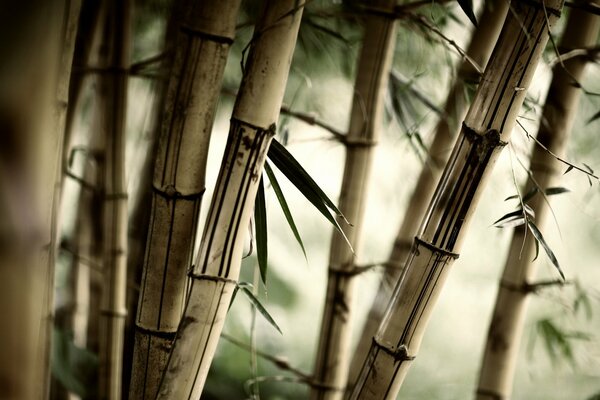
[[217, 266], [206, 32], [333, 356], [486, 129], [113, 87], [507, 324], [448, 126]]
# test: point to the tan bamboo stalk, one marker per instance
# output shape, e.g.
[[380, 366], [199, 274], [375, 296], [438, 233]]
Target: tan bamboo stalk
[[486, 129], [333, 355], [34, 86], [479, 50], [218, 263], [506, 327], [113, 86], [206, 32]]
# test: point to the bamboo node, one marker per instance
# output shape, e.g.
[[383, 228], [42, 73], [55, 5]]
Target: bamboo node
[[115, 196], [357, 142], [170, 192], [434, 248], [206, 35], [400, 353], [204, 277], [114, 313]]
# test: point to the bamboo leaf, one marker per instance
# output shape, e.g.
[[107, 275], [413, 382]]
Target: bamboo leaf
[[467, 7], [540, 239], [551, 191], [528, 196], [284, 206], [246, 288], [512, 219], [568, 169], [260, 219], [292, 169], [594, 117]]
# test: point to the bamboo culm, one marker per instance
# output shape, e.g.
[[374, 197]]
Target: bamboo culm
[[112, 109], [333, 355], [507, 324], [485, 131], [204, 37], [479, 50], [218, 262]]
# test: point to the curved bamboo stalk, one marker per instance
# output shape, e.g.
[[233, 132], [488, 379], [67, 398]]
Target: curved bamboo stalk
[[486, 129], [206, 32], [333, 356], [217, 266], [479, 50], [507, 324], [113, 87]]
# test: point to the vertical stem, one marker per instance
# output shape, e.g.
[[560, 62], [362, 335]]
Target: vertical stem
[[113, 84], [333, 356], [218, 263], [507, 324], [486, 129], [479, 50], [205, 34]]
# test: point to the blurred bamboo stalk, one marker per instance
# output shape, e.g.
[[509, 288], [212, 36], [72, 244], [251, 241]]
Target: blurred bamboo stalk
[[479, 50], [486, 129], [112, 99], [333, 356], [507, 324]]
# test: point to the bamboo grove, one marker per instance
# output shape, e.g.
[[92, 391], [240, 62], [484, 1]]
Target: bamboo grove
[[151, 165]]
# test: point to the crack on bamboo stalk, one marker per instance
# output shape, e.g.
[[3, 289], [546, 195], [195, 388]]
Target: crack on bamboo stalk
[[169, 192], [156, 333], [434, 248], [206, 35], [399, 353]]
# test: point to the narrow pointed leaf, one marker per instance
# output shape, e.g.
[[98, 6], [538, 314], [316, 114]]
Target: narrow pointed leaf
[[568, 170], [529, 211], [467, 7], [260, 220], [288, 165], [284, 206], [528, 196], [556, 190], [292, 169], [594, 117], [510, 219], [246, 289], [540, 239]]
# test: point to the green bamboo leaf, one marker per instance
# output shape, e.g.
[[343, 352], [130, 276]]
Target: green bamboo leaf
[[551, 191], [246, 288], [568, 170], [292, 169], [260, 220], [284, 206], [467, 7], [528, 196], [594, 117], [540, 239], [511, 219]]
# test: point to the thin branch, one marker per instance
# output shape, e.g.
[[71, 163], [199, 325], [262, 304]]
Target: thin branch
[[278, 362], [590, 53], [572, 166], [586, 6], [311, 119], [419, 19]]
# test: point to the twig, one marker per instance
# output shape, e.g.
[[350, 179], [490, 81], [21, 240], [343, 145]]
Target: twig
[[573, 166], [278, 362], [423, 21], [590, 53]]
